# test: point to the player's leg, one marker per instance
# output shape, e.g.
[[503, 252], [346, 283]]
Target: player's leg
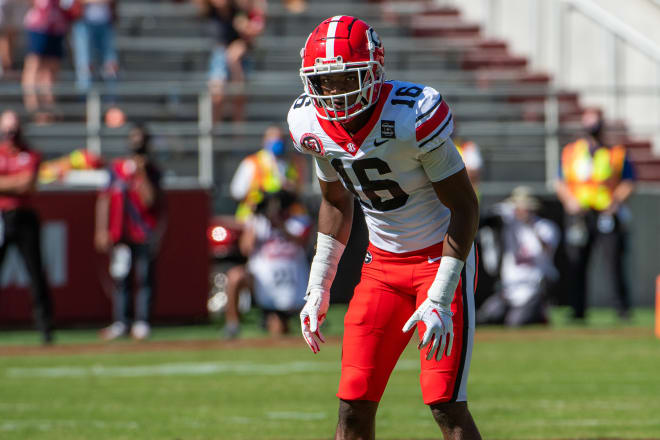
[[218, 75], [28, 242], [493, 311], [145, 280], [238, 279], [372, 344], [444, 382], [578, 252], [277, 322], [455, 420], [613, 247], [356, 420]]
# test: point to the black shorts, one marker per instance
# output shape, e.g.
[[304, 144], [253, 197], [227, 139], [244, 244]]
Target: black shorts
[[45, 45]]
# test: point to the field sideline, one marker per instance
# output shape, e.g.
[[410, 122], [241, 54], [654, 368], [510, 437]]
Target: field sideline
[[600, 381]]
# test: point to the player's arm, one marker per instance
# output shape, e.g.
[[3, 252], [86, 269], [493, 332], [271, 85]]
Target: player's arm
[[20, 183], [457, 194], [336, 211], [452, 186], [567, 199], [624, 189], [335, 220]]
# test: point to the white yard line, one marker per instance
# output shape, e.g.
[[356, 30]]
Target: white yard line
[[188, 369], [47, 425]]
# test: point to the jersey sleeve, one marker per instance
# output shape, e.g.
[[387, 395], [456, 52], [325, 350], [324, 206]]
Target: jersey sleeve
[[295, 119], [324, 170], [433, 120], [442, 162]]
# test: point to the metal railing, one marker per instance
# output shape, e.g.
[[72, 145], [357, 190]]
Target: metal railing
[[550, 27], [208, 139]]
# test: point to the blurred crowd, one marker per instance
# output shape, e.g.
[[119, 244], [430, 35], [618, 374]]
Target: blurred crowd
[[47, 28]]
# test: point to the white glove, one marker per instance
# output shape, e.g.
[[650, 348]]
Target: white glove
[[312, 316], [437, 319]]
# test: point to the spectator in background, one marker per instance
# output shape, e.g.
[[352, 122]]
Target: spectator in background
[[471, 154], [528, 245], [47, 23], [594, 182], [266, 171], [238, 24], [11, 19], [19, 223], [94, 43], [295, 6], [277, 270], [130, 222]]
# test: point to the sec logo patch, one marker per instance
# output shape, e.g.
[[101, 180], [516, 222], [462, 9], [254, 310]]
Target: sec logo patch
[[312, 142], [368, 258]]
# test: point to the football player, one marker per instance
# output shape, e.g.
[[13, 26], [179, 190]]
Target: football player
[[387, 143]]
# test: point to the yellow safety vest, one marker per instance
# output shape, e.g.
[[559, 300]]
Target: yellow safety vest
[[459, 146], [267, 179], [591, 178]]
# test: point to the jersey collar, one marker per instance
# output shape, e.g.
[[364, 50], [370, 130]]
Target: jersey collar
[[351, 144]]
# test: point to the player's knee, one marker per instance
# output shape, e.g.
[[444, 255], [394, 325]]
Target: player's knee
[[354, 384], [236, 275], [450, 414]]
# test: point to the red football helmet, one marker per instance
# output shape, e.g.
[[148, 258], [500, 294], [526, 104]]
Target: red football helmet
[[343, 44]]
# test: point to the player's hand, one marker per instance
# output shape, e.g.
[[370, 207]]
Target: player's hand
[[312, 316], [439, 328]]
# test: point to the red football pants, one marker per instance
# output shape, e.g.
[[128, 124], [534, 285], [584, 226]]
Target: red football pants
[[391, 288]]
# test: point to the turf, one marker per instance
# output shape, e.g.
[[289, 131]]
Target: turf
[[597, 381]]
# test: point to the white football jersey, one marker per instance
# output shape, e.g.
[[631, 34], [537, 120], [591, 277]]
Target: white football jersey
[[278, 265], [390, 163]]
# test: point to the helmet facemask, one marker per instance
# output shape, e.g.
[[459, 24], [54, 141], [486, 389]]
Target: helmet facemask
[[343, 106]]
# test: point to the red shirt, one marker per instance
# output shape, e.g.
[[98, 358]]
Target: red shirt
[[130, 218], [14, 161], [47, 17]]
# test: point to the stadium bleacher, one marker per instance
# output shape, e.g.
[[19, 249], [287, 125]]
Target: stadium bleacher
[[164, 49]]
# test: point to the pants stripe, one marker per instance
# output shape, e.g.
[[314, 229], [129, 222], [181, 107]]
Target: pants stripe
[[468, 277]]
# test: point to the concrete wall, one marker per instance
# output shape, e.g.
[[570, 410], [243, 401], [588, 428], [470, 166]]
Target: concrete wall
[[589, 66]]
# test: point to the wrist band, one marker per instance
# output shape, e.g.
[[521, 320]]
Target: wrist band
[[446, 280], [324, 264]]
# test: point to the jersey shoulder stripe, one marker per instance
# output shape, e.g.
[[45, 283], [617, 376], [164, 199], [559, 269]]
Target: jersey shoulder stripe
[[436, 118], [444, 131]]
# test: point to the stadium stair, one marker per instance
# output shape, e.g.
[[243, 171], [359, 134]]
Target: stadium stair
[[493, 65]]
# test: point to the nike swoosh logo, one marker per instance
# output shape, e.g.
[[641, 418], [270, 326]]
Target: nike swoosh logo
[[433, 260], [378, 144]]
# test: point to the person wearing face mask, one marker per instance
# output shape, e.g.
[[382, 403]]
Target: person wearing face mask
[[595, 180], [266, 171], [259, 176], [130, 222], [19, 222]]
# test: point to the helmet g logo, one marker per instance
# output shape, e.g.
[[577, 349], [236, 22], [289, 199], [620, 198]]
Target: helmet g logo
[[313, 143], [375, 39]]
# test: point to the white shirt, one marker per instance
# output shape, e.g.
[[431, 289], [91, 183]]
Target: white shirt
[[390, 163], [279, 266], [527, 255]]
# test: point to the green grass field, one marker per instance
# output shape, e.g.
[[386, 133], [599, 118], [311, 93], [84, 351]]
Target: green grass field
[[565, 382]]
